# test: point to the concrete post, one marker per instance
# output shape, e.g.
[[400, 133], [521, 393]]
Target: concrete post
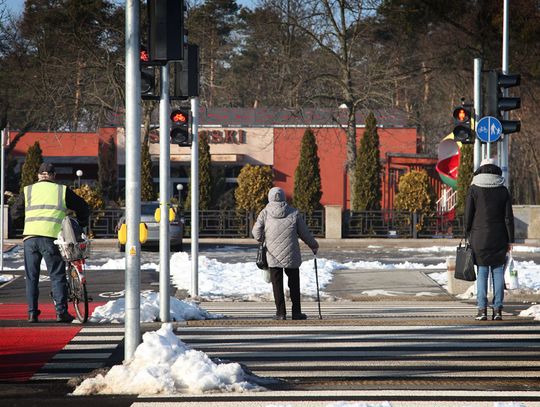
[[333, 221]]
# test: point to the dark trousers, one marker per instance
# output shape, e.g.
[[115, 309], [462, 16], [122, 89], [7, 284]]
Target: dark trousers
[[294, 289], [35, 249]]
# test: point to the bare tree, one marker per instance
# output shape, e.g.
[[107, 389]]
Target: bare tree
[[357, 74]]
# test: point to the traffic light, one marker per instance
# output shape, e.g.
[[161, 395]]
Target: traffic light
[[148, 75], [186, 74], [180, 128], [498, 102], [462, 125], [166, 30]]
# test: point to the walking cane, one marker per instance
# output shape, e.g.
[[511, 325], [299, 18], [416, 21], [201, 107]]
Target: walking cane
[[317, 282]]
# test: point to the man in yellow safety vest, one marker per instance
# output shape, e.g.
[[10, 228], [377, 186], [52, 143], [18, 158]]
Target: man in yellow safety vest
[[43, 206]]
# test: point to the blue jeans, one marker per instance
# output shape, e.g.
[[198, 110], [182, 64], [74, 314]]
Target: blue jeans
[[35, 249], [498, 286]]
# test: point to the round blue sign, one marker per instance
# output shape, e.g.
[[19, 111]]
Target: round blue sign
[[489, 129]]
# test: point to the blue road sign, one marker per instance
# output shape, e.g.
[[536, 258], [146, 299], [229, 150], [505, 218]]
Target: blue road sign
[[489, 129]]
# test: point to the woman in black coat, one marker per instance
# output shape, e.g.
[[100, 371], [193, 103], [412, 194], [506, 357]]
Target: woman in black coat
[[489, 225]]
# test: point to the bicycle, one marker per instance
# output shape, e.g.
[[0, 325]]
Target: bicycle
[[75, 254]]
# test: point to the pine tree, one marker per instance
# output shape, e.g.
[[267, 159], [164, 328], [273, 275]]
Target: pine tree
[[367, 187], [205, 177], [148, 192], [107, 170], [30, 168], [307, 177], [465, 175], [254, 182]]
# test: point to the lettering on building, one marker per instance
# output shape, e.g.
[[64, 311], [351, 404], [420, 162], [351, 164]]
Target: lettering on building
[[224, 136]]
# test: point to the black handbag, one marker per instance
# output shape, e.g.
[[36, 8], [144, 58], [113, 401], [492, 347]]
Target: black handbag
[[261, 262], [464, 263]]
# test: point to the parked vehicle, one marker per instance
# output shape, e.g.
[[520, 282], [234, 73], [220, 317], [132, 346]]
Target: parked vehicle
[[176, 227]]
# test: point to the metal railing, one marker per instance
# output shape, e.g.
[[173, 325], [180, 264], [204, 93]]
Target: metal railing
[[401, 224], [383, 223], [230, 224], [220, 224]]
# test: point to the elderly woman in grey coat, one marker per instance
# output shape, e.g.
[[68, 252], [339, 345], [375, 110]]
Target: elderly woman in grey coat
[[279, 226]]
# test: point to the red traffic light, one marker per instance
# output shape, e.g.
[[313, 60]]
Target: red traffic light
[[461, 114], [144, 56], [179, 117]]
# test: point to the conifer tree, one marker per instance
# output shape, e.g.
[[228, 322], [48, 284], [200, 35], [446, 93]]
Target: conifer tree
[[205, 177], [367, 186], [107, 170], [254, 182], [307, 177], [465, 175], [148, 192], [34, 158]]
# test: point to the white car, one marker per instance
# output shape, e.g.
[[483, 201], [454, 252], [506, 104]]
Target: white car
[[176, 227]]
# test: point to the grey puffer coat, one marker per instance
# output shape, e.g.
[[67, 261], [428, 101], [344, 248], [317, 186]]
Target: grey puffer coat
[[280, 225]]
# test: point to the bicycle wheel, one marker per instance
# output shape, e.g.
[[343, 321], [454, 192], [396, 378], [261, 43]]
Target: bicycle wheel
[[78, 295]]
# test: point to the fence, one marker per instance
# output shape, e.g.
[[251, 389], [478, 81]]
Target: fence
[[230, 224], [401, 224]]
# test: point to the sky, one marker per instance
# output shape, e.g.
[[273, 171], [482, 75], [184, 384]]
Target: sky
[[164, 365]]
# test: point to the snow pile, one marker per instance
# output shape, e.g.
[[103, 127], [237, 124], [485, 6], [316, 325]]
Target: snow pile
[[115, 311], [164, 365], [533, 311]]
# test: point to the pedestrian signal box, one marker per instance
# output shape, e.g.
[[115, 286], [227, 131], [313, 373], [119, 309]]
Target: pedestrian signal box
[[180, 128], [462, 125]]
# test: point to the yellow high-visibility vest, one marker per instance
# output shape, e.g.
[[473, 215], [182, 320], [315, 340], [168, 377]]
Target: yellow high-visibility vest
[[44, 209]]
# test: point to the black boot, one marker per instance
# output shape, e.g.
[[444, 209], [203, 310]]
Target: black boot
[[482, 314], [497, 314]]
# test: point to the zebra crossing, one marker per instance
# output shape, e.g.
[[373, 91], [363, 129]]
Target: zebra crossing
[[398, 351], [92, 348]]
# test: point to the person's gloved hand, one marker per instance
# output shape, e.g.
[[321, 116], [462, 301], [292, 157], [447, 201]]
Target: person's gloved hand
[[315, 250]]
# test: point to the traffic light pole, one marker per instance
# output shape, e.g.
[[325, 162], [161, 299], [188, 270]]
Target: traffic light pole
[[133, 181], [477, 109], [164, 197], [504, 145], [195, 198]]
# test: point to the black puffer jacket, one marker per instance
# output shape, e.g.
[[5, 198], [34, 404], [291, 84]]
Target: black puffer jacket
[[489, 220]]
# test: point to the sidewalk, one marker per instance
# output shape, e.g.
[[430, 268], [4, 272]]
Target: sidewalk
[[323, 243]]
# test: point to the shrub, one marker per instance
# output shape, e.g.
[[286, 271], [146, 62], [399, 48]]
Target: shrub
[[254, 182], [415, 194]]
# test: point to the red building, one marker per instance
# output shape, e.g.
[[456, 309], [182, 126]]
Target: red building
[[255, 136], [69, 151]]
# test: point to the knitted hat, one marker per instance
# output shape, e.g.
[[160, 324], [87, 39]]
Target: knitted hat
[[46, 167], [487, 161]]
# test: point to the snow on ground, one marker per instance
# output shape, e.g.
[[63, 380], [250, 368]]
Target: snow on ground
[[163, 364], [4, 278], [114, 311]]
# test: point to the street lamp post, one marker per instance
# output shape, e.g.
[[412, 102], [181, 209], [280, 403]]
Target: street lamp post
[[179, 187], [79, 174]]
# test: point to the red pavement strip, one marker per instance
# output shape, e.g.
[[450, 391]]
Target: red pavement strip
[[23, 351]]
